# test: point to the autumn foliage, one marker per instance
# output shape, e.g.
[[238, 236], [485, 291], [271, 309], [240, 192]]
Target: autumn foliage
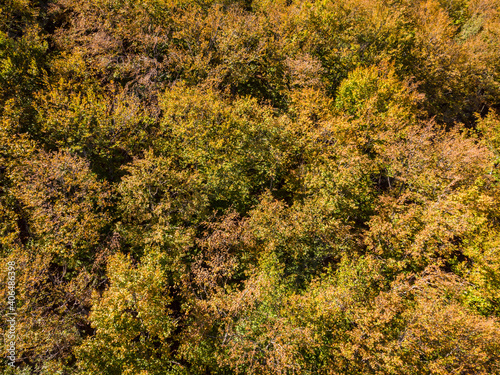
[[251, 186]]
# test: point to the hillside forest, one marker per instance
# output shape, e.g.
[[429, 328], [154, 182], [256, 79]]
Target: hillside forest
[[250, 186]]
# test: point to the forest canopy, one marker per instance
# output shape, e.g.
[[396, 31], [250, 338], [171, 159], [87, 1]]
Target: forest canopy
[[250, 186]]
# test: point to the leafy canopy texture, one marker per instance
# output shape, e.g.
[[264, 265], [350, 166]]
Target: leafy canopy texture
[[198, 187]]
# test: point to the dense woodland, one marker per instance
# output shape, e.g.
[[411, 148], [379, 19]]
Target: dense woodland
[[251, 187]]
